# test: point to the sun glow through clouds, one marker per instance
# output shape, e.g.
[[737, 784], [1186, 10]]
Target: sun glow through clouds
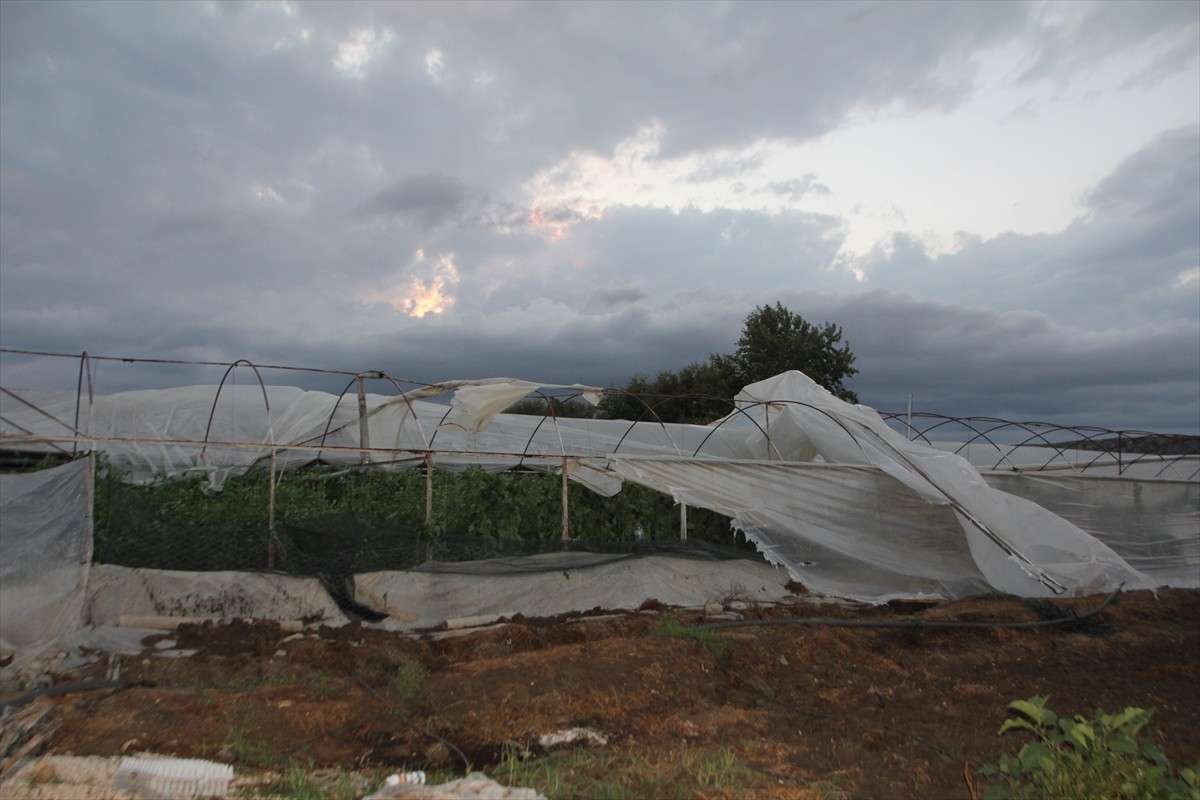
[[356, 53], [419, 294]]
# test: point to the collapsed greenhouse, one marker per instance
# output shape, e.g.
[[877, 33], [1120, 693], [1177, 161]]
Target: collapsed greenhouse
[[829, 494]]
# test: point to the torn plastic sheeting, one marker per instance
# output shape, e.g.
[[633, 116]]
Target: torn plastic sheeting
[[872, 533], [474, 405], [1019, 546], [852, 531]]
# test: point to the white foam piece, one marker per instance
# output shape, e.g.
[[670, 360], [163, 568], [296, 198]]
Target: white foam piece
[[173, 777]]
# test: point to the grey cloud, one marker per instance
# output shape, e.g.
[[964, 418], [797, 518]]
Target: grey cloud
[[966, 361], [428, 200], [1160, 179], [797, 188], [607, 298], [1117, 263], [704, 248], [1070, 43], [713, 168], [134, 138]]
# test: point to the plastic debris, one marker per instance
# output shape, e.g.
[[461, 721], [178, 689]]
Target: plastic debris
[[173, 777], [417, 777], [476, 786], [569, 736]]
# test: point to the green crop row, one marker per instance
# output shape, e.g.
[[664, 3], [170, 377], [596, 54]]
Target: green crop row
[[183, 524]]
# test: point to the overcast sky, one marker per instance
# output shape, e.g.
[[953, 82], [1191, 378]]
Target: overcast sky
[[998, 202]]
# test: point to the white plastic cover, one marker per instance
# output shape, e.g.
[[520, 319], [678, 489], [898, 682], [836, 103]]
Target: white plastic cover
[[45, 553], [823, 487]]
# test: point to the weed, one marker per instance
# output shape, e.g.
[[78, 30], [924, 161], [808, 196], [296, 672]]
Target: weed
[[1079, 759]]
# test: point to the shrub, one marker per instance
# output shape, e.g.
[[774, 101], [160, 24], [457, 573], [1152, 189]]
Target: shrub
[[1086, 759]]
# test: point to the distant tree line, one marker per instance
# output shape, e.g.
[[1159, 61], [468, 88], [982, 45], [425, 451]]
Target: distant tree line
[[773, 340]]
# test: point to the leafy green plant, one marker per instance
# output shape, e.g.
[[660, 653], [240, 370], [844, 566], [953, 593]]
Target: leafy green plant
[[181, 523], [1085, 759]]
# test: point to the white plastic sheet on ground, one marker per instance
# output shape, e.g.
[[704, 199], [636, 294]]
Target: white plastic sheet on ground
[[417, 598]]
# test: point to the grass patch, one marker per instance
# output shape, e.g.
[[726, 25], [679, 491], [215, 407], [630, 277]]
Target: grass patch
[[408, 681], [247, 750], [301, 781], [710, 772], [714, 643]]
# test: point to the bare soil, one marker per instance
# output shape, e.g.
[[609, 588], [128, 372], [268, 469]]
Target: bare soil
[[863, 712]]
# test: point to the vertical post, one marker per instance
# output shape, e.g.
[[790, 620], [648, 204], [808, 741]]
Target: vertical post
[[566, 516], [78, 401], [909, 431], [683, 520], [271, 515], [429, 490], [767, 425], [91, 506], [364, 435], [429, 506]]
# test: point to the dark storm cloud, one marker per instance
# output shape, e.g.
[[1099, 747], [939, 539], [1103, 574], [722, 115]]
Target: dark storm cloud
[[1018, 365]]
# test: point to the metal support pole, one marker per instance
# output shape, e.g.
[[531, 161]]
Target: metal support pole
[[364, 434], [271, 516], [429, 490], [429, 506], [683, 520], [91, 504], [566, 516]]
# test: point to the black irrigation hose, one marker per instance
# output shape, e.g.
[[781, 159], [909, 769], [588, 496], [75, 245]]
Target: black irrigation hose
[[408, 721], [915, 624]]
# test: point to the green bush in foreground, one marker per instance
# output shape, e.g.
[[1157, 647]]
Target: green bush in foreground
[[1086, 759]]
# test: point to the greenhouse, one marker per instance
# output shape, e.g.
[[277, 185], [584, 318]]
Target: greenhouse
[[830, 496]]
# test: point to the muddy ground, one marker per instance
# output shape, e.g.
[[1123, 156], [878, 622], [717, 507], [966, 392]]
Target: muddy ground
[[863, 712]]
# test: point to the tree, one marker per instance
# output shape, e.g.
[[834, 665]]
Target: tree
[[775, 340], [697, 394], [553, 407]]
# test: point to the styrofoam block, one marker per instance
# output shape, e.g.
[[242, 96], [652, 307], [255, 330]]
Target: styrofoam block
[[173, 777]]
